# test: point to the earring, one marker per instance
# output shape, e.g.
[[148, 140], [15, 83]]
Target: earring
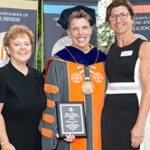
[[133, 28]]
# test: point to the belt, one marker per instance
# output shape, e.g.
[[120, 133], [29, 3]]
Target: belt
[[123, 87]]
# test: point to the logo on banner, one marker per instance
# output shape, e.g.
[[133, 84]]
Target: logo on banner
[[3, 55], [61, 43]]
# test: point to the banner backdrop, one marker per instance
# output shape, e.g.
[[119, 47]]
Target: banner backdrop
[[142, 22], [16, 12], [56, 37]]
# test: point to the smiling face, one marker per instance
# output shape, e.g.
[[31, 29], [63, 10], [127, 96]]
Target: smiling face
[[80, 32], [121, 24], [20, 49]]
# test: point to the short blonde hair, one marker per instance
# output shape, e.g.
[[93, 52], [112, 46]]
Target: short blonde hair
[[15, 31], [79, 14]]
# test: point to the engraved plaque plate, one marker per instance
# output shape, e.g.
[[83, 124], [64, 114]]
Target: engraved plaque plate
[[71, 119]]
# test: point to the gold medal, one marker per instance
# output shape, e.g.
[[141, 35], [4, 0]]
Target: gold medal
[[87, 87]]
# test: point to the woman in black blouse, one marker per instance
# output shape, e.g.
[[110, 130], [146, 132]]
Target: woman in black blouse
[[22, 99]]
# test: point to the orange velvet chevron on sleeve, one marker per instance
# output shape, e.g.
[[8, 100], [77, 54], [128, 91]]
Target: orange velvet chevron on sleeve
[[48, 118], [50, 88], [50, 103], [46, 132]]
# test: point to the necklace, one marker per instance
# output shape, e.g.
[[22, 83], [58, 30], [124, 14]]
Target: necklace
[[87, 86]]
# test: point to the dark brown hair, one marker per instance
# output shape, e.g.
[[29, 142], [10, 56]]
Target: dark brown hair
[[117, 3]]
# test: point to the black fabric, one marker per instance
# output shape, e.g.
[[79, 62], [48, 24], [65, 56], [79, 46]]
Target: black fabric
[[24, 100], [121, 69], [67, 12]]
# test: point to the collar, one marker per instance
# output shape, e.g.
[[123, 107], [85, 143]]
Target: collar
[[80, 57]]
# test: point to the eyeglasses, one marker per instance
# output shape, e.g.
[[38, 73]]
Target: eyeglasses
[[122, 16]]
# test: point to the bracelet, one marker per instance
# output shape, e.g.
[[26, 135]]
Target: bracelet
[[3, 143]]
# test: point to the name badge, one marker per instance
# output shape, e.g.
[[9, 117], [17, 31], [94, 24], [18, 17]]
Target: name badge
[[126, 53]]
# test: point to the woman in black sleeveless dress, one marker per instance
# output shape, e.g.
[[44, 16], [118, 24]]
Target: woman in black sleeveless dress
[[127, 104]]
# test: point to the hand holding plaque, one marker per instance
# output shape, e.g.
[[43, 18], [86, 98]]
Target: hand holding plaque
[[71, 119]]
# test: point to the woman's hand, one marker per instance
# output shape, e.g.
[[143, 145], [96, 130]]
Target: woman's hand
[[137, 136], [7, 146], [69, 138]]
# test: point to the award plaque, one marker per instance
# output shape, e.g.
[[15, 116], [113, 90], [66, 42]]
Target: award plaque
[[71, 119]]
